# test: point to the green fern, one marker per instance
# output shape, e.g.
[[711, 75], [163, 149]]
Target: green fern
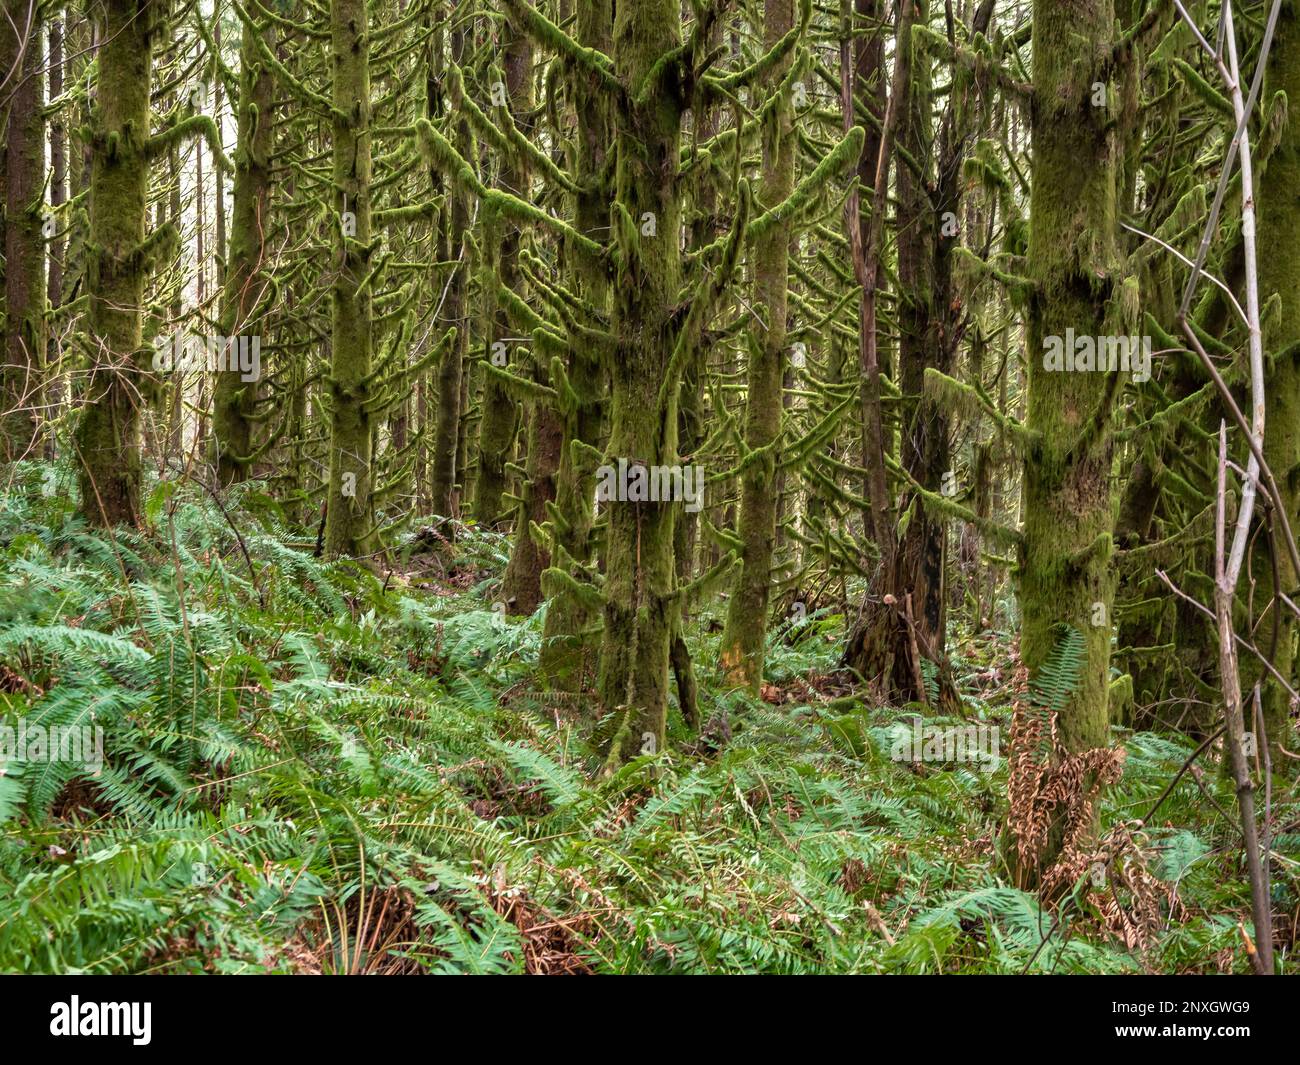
[[1058, 677]]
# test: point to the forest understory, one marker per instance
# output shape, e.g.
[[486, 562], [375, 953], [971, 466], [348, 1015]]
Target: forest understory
[[649, 486], [310, 767]]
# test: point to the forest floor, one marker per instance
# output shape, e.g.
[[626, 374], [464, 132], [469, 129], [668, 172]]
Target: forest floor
[[310, 767]]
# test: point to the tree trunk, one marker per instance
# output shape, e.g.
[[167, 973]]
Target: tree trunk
[[522, 584], [521, 587], [350, 516], [108, 434], [639, 575], [246, 282], [565, 645], [500, 412], [453, 241], [21, 396], [1279, 210], [745, 633], [1065, 577], [57, 242]]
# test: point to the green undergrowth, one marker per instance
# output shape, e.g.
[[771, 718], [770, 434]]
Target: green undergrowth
[[312, 767]]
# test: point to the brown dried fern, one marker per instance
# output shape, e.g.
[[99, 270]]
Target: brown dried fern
[[1053, 790], [1049, 788]]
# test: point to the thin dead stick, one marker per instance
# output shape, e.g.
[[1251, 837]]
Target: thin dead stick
[[1265, 472], [1233, 82], [1246, 511], [918, 678], [1241, 641], [1266, 757], [1224, 595], [1188, 262]]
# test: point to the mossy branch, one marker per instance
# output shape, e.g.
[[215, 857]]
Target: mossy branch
[[820, 435], [841, 157], [759, 69], [550, 36], [556, 583], [1202, 88], [706, 581], [284, 78], [509, 140], [1018, 288], [978, 58], [936, 503], [521, 387], [201, 125], [703, 306], [444, 156], [957, 396]]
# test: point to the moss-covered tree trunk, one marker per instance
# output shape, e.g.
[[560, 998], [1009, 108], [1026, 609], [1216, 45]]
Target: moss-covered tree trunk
[[500, 414], [1279, 273], [521, 585], [350, 518], [8, 58], [108, 433], [173, 390], [565, 645], [691, 428], [903, 632], [57, 245], [923, 286], [931, 320], [1064, 566], [453, 241], [864, 42], [874, 643], [639, 570], [745, 632], [247, 289], [24, 271], [445, 470]]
